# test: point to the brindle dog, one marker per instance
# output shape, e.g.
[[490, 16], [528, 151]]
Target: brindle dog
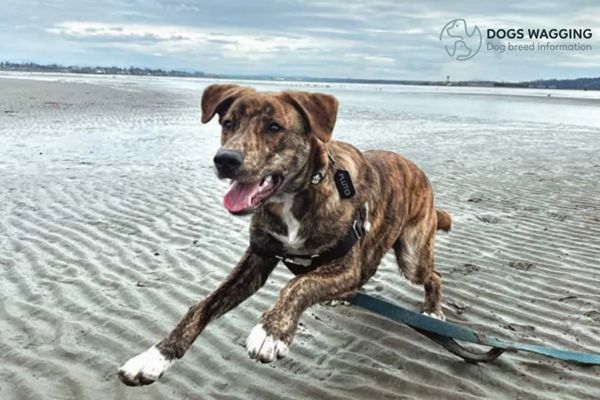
[[273, 145]]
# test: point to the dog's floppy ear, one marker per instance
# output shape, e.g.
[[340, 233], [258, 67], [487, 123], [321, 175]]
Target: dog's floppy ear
[[216, 99], [319, 111]]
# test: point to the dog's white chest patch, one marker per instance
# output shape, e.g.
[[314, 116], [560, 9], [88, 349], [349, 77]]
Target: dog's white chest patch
[[293, 239]]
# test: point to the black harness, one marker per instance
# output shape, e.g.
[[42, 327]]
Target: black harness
[[301, 263]]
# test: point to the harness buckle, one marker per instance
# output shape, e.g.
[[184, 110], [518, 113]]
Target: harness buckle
[[359, 229], [296, 260]]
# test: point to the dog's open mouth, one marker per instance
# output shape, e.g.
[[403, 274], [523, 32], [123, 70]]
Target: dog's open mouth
[[244, 197]]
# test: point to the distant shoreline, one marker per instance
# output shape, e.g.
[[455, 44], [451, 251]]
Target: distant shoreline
[[566, 84]]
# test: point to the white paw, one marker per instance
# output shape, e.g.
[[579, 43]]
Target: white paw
[[264, 348], [145, 368], [436, 315]]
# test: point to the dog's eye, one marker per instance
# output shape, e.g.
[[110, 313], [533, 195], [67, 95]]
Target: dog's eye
[[274, 127], [227, 124]]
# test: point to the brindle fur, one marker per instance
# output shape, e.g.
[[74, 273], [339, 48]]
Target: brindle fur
[[399, 196]]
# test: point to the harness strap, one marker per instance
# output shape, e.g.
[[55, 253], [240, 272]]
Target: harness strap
[[299, 263], [302, 263]]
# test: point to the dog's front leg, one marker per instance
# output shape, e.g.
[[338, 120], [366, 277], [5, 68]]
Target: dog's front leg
[[271, 338], [246, 278]]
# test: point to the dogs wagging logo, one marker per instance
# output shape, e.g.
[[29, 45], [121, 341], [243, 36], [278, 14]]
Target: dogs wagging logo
[[460, 42]]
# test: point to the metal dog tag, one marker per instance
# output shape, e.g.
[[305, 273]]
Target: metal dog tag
[[343, 183]]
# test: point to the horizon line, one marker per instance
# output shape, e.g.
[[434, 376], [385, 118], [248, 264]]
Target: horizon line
[[265, 76]]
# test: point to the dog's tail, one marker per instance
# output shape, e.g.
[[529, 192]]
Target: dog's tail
[[444, 221]]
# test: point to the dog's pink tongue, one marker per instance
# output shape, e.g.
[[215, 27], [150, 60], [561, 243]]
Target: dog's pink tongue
[[239, 196]]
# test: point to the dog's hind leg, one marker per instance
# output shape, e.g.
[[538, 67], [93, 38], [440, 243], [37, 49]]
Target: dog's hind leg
[[414, 254]]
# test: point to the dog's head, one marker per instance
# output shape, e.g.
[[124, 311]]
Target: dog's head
[[269, 141]]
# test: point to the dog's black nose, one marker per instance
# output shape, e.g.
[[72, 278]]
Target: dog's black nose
[[227, 161]]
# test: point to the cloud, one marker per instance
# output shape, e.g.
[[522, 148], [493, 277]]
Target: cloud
[[117, 33], [193, 36], [375, 39], [163, 40], [582, 60]]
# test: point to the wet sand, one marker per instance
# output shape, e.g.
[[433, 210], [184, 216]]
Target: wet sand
[[111, 226]]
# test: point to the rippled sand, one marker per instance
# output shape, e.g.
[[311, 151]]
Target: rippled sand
[[111, 226]]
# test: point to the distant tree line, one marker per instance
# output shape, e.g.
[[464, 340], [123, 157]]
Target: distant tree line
[[577, 84], [33, 67]]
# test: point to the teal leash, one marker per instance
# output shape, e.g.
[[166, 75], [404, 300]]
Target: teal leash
[[444, 334]]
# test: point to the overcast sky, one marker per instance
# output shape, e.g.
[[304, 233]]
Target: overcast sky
[[366, 39]]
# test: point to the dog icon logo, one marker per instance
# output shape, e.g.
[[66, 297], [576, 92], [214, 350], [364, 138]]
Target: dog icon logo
[[460, 43]]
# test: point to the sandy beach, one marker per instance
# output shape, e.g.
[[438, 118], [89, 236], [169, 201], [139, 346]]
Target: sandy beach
[[111, 226]]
